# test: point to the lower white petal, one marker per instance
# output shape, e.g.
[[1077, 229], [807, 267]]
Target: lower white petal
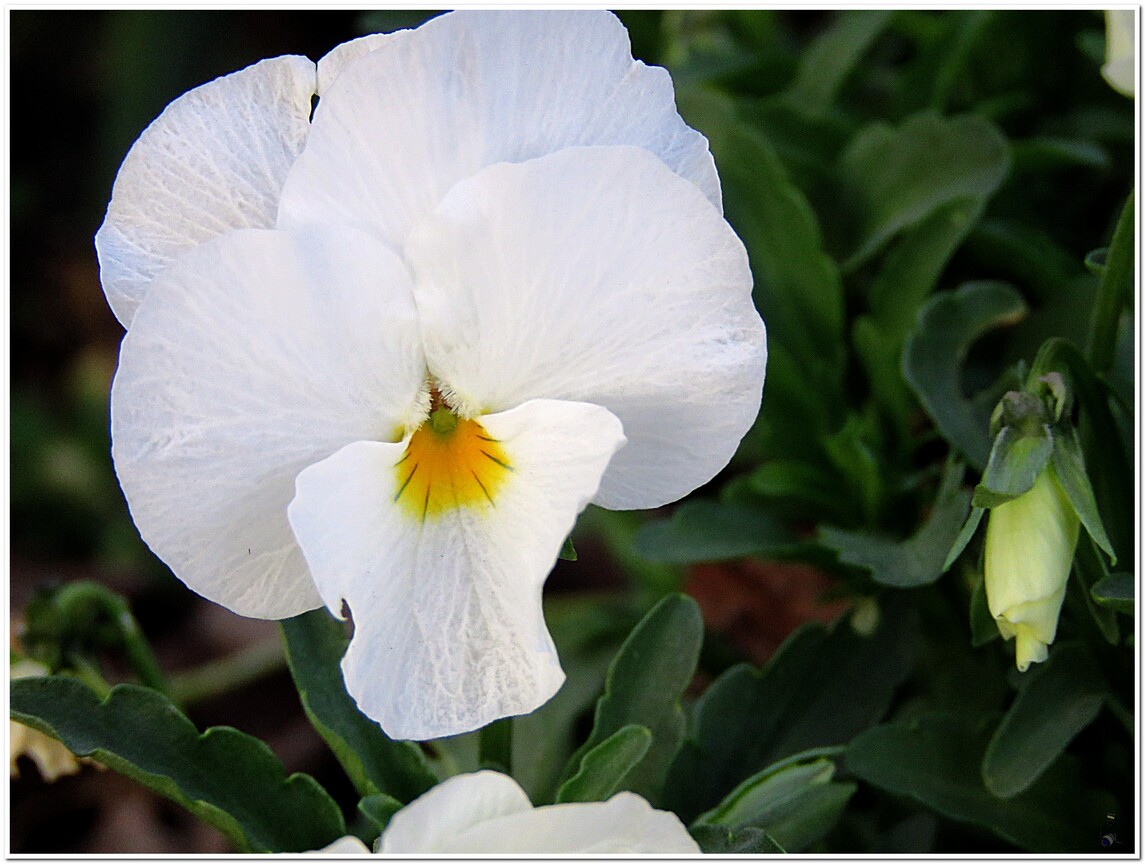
[[446, 601], [253, 356]]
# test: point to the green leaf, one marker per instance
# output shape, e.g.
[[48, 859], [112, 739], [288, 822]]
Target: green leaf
[[379, 809], [1047, 153], [935, 758], [1057, 700], [899, 176], [826, 63], [795, 804], [315, 643], [908, 275], [604, 767], [1016, 460], [643, 687], [228, 779], [935, 351], [917, 560], [722, 840], [914, 264], [1117, 591], [808, 486], [711, 531], [823, 687], [1069, 466]]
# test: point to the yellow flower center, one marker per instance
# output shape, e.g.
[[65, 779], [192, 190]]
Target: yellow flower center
[[449, 463]]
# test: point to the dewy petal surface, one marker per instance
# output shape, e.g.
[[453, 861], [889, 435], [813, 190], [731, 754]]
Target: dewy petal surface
[[448, 629], [470, 89], [596, 274], [213, 161], [488, 813], [253, 356]]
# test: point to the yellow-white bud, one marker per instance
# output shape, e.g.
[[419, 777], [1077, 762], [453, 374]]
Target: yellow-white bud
[[1030, 543], [1119, 68]]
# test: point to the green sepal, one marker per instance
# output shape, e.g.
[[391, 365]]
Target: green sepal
[[644, 684], [1116, 591], [225, 777], [1058, 699], [1016, 460], [1069, 466], [605, 766], [315, 642], [964, 535]]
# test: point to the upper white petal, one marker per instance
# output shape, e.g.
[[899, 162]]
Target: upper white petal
[[488, 813], [448, 629], [253, 356], [469, 89], [450, 808], [214, 160], [596, 274]]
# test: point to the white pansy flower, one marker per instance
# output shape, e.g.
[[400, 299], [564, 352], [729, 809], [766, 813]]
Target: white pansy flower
[[384, 359], [1120, 69], [488, 813]]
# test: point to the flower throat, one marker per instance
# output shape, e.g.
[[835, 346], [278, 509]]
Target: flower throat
[[450, 462]]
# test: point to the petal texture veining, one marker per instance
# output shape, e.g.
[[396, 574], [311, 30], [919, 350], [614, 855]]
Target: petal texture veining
[[596, 274], [469, 89], [253, 356], [213, 161], [448, 629], [488, 813]]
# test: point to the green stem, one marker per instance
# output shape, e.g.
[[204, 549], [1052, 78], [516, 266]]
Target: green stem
[[228, 673], [495, 746], [1116, 286], [86, 672], [80, 599]]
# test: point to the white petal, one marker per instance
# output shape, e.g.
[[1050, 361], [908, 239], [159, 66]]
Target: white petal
[[626, 823], [598, 275], [214, 160], [470, 89], [431, 822], [253, 356], [488, 813], [331, 65], [448, 629], [348, 845]]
